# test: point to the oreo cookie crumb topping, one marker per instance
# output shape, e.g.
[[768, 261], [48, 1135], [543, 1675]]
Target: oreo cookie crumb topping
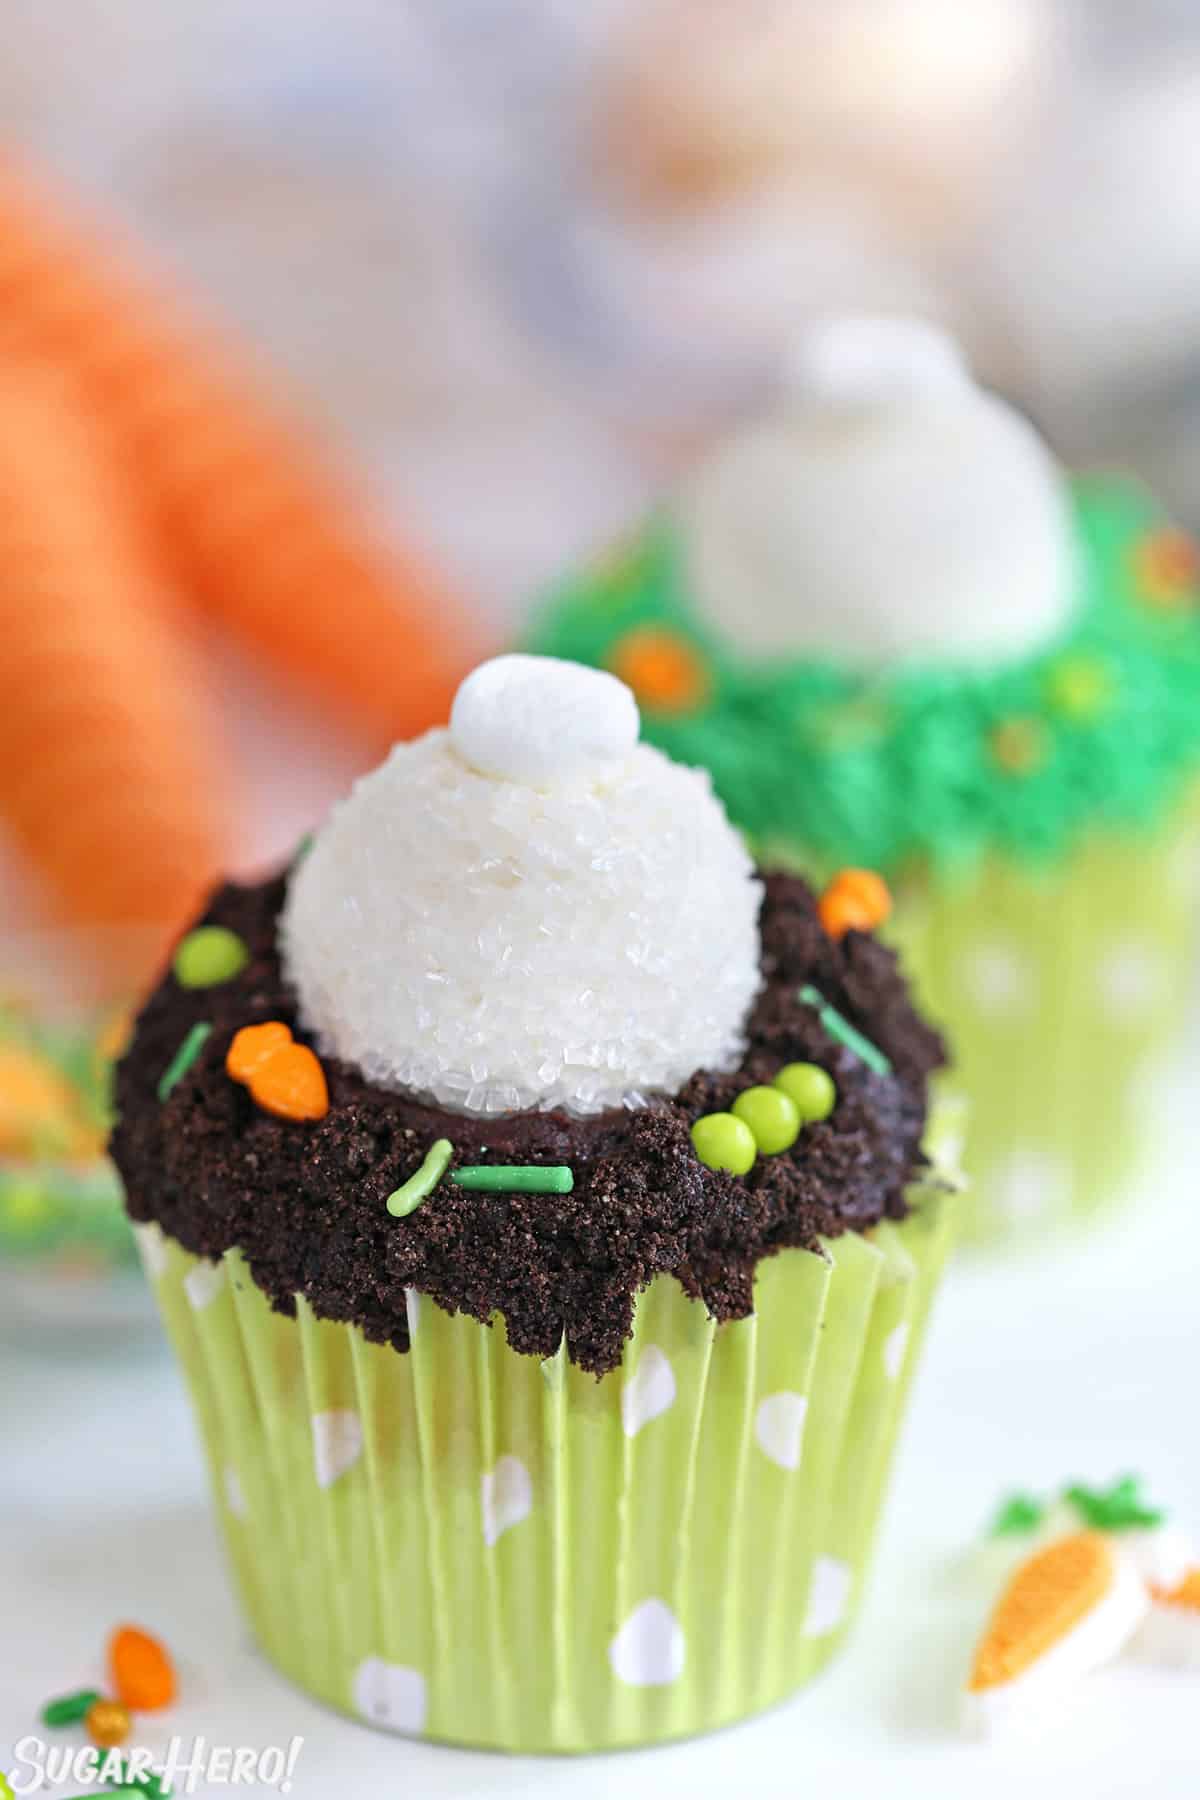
[[306, 1204]]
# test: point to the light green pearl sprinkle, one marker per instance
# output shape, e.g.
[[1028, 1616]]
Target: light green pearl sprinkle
[[418, 1187], [515, 1178], [845, 1033], [209, 955], [183, 1058]]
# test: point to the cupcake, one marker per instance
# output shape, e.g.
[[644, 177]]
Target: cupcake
[[545, 1208], [898, 635]]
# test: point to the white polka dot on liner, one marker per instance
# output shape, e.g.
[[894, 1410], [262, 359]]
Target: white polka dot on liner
[[649, 1649], [1131, 978], [152, 1247], [203, 1283], [779, 1427], [828, 1596], [506, 1497], [649, 1391], [999, 977], [337, 1443], [235, 1497], [894, 1349], [389, 1695], [1028, 1184]]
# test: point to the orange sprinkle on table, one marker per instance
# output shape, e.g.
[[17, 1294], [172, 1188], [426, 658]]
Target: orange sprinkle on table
[[1186, 1596], [1047, 1597], [142, 1672], [664, 671], [1166, 567]]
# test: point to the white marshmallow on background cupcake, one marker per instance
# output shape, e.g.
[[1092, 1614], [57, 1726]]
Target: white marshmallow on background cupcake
[[888, 510], [529, 910]]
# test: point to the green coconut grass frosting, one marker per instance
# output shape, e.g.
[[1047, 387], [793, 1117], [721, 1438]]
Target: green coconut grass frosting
[[1100, 729]]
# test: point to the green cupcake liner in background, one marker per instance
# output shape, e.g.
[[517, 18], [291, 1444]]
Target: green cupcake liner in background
[[1062, 993], [468, 1544]]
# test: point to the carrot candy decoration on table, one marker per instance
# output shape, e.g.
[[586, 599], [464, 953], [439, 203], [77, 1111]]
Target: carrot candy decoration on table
[[249, 522], [1069, 1608]]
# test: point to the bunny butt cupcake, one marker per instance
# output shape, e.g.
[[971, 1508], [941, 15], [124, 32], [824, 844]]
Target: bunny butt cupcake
[[899, 636], [545, 1208]]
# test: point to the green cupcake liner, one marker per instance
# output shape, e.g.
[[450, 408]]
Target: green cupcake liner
[[470, 1545], [1062, 994]]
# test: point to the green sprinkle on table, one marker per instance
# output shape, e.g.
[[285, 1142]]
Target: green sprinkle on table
[[845, 1033], [1118, 1508], [516, 1178], [418, 1187], [70, 1709], [1017, 1515], [183, 1058]]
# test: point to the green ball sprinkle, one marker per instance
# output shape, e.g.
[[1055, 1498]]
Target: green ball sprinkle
[[70, 1709], [724, 1141], [772, 1116], [183, 1058], [209, 955], [418, 1187], [810, 1088]]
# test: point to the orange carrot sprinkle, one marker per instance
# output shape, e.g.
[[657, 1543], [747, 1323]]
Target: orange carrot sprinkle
[[663, 670], [284, 1078], [142, 1672], [855, 900], [254, 1046]]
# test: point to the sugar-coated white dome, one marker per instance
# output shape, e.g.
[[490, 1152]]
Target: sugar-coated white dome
[[581, 939], [887, 511]]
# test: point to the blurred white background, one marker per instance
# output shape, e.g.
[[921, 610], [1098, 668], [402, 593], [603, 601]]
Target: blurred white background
[[521, 255]]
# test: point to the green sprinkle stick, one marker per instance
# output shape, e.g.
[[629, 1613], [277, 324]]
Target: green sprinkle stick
[[418, 1187], [70, 1709], [1016, 1515], [183, 1058], [515, 1179], [844, 1032]]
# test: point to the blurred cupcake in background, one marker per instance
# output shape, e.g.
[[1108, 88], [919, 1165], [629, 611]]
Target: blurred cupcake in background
[[901, 637]]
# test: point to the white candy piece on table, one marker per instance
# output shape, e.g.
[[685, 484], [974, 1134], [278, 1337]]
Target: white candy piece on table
[[575, 933], [888, 511], [543, 722], [1170, 1635], [1162, 1554]]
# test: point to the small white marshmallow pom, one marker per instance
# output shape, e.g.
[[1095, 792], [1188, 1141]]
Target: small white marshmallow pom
[[576, 927], [888, 511], [538, 720], [865, 360]]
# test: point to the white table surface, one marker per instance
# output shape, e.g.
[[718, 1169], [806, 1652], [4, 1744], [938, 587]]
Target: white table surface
[[1079, 1361]]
